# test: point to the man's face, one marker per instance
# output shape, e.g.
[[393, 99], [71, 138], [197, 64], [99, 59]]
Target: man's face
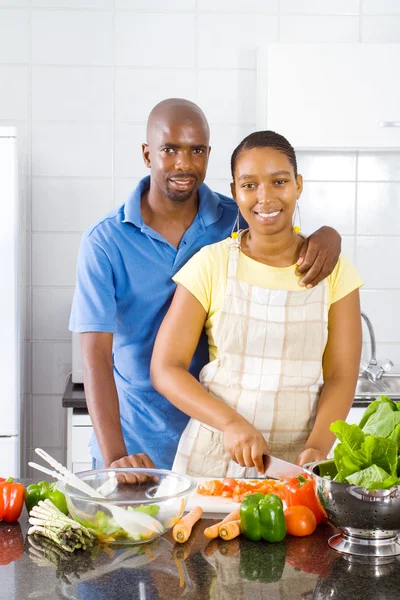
[[177, 154]]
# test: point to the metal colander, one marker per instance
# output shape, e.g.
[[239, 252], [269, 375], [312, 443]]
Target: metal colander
[[369, 522]]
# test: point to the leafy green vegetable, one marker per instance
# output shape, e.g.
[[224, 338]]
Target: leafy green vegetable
[[373, 407], [368, 455]]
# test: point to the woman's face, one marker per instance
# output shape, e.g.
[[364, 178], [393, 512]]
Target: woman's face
[[266, 189]]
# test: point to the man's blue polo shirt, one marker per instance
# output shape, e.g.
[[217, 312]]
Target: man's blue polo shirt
[[124, 286]]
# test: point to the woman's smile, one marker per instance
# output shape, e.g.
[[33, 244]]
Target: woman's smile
[[267, 217]]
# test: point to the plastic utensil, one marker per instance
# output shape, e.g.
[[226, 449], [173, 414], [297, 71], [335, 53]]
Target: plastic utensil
[[133, 522]]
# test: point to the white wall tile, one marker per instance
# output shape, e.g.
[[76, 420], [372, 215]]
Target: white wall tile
[[137, 91], [128, 150], [378, 261], [222, 186], [14, 97], [262, 6], [171, 5], [382, 307], [71, 37], [72, 150], [72, 93], [319, 29], [384, 30], [72, 3], [48, 421], [327, 166], [14, 3], [331, 203], [231, 40], [213, 86], [51, 308], [376, 7], [320, 7], [388, 351], [224, 139], [171, 42], [349, 246], [52, 362], [378, 208], [69, 204], [14, 36], [54, 258], [123, 188], [379, 166]]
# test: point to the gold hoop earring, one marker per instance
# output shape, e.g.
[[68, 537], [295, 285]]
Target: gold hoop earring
[[297, 217], [235, 228]]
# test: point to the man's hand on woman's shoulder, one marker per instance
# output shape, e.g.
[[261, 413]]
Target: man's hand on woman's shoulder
[[318, 256]]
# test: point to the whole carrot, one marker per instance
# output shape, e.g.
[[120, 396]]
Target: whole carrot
[[184, 526], [229, 530], [213, 531]]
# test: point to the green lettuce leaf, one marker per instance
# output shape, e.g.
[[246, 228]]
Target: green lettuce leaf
[[373, 407], [382, 422], [351, 435], [365, 477]]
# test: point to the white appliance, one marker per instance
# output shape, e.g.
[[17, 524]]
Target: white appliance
[[9, 306]]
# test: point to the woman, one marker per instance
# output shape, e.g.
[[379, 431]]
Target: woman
[[284, 359]]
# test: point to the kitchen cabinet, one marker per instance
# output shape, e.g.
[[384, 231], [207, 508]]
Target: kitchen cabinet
[[331, 95], [79, 432]]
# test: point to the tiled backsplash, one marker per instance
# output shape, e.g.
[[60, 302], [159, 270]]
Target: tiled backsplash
[[79, 77]]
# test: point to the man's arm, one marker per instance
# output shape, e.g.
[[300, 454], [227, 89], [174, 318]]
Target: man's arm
[[319, 255], [102, 401]]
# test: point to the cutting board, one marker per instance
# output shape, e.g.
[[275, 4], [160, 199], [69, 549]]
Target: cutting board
[[210, 504]]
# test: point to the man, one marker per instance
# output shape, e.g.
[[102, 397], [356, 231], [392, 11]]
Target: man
[[124, 286]]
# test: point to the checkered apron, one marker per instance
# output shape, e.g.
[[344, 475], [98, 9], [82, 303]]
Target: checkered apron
[[270, 345]]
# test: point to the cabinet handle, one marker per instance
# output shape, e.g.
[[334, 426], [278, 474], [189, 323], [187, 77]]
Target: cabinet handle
[[389, 124]]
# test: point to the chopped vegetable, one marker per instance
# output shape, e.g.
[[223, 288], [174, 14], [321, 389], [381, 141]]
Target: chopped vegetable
[[42, 491], [11, 500], [229, 530], [182, 530], [301, 490], [368, 455], [238, 489], [47, 520], [213, 531], [261, 517], [300, 521]]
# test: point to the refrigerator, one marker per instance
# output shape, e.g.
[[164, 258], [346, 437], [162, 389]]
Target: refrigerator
[[9, 306]]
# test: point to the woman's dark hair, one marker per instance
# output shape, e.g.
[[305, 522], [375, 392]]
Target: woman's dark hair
[[264, 139]]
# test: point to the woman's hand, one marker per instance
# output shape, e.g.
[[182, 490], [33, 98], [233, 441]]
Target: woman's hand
[[245, 445], [310, 455]]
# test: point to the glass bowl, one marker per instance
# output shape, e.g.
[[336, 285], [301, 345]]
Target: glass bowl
[[147, 509]]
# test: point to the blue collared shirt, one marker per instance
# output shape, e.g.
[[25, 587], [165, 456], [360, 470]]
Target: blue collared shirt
[[124, 286]]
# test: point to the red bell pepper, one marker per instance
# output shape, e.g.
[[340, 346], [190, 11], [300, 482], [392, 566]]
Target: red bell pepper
[[300, 490], [11, 500]]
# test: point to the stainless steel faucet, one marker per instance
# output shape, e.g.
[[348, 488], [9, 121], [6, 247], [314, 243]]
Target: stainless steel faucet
[[373, 370]]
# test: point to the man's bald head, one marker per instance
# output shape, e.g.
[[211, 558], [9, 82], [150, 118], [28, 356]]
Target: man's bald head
[[172, 111]]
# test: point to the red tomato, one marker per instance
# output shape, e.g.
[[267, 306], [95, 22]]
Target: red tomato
[[300, 520]]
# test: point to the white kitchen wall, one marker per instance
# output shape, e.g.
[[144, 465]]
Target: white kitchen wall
[[79, 77]]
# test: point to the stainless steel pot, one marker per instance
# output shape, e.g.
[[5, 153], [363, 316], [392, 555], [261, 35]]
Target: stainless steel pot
[[369, 522]]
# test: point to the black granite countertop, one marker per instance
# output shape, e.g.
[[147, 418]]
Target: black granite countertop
[[296, 569]]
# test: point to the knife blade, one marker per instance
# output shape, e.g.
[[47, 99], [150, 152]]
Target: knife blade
[[278, 468]]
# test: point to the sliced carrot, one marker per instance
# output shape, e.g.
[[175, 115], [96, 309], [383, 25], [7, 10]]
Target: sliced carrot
[[182, 530], [229, 530], [213, 531]]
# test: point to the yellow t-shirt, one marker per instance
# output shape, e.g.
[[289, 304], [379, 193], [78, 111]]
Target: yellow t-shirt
[[205, 276]]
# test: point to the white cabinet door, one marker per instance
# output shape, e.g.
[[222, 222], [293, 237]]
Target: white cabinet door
[[331, 95]]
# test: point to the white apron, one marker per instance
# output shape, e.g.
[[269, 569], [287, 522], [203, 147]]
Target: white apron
[[270, 346]]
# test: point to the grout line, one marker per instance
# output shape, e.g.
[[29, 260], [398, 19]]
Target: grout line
[[356, 212]]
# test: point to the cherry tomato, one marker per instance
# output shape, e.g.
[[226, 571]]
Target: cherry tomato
[[300, 520]]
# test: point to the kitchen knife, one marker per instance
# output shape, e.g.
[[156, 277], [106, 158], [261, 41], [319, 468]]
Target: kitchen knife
[[278, 468]]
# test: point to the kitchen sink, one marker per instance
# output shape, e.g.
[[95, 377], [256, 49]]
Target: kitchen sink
[[388, 384]]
